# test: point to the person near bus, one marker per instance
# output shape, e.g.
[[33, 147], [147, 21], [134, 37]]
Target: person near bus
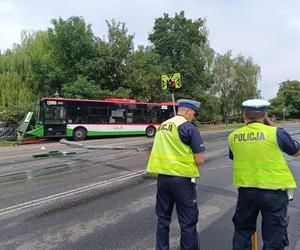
[[176, 153], [262, 176]]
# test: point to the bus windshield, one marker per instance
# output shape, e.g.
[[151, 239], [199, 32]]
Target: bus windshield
[[54, 114]]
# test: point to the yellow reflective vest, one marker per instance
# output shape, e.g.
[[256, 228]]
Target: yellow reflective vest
[[257, 159], [169, 155]]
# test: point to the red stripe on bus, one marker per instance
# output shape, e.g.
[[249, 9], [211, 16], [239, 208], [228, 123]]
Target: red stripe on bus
[[123, 102], [116, 124]]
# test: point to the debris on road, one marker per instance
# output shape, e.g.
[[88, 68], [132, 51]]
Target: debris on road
[[80, 145], [53, 153]]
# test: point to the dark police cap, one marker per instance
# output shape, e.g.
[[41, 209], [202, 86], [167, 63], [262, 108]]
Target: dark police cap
[[189, 104], [256, 105]]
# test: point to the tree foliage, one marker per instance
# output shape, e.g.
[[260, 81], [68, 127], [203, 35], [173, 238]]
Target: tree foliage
[[144, 78], [115, 54], [70, 59], [183, 47], [235, 80], [81, 88], [73, 44], [16, 85], [287, 101], [174, 37]]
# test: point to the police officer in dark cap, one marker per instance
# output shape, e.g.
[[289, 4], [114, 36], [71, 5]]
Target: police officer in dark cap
[[262, 176], [176, 153]]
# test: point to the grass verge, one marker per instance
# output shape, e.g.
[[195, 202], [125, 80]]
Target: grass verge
[[206, 127], [7, 143]]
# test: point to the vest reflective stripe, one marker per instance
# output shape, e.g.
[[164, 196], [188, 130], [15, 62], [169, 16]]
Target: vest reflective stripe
[[258, 160], [169, 155], [182, 159]]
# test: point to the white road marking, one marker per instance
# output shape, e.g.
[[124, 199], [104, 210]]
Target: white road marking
[[213, 209], [14, 170], [209, 212], [72, 233], [72, 192]]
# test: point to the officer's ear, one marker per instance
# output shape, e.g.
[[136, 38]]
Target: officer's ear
[[186, 111]]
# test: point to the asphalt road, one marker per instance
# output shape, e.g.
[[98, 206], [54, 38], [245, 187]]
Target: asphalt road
[[101, 199]]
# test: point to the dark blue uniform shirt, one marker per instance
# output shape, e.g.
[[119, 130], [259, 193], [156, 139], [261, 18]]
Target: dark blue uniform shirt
[[190, 136], [286, 143]]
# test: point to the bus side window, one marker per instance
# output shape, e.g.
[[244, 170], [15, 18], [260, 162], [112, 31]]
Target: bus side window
[[117, 116], [150, 115], [78, 119], [77, 113], [98, 115], [137, 116], [129, 117], [164, 115]]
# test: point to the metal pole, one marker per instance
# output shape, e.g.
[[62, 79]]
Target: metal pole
[[254, 241], [173, 99]]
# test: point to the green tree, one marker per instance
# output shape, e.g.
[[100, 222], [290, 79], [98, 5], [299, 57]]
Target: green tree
[[174, 37], [16, 86], [183, 47], [42, 65], [73, 44], [287, 100], [115, 54], [247, 73], [277, 107], [82, 88], [72, 41], [144, 79], [235, 80]]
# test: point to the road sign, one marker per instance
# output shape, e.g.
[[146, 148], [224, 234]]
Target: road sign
[[171, 81]]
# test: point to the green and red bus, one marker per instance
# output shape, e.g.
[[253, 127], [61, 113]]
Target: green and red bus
[[81, 118]]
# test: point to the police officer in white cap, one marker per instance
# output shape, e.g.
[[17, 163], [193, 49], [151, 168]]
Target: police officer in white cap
[[262, 176], [176, 153]]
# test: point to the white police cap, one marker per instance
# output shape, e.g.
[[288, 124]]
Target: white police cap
[[256, 105], [189, 104]]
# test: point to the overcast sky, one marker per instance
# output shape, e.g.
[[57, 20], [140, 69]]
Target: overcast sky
[[266, 30]]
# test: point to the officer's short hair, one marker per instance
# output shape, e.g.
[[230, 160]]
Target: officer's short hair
[[254, 115], [255, 108]]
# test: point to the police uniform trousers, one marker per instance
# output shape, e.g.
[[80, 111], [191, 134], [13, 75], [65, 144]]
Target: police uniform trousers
[[273, 207], [181, 192]]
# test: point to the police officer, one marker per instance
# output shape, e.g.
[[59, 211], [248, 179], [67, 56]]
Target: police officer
[[262, 176], [176, 152]]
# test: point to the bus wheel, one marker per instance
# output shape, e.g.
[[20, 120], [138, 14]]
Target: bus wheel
[[79, 134], [150, 131]]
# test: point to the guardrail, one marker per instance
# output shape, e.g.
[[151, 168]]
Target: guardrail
[[8, 132]]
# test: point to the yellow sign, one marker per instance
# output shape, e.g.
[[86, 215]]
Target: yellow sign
[[168, 81]]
